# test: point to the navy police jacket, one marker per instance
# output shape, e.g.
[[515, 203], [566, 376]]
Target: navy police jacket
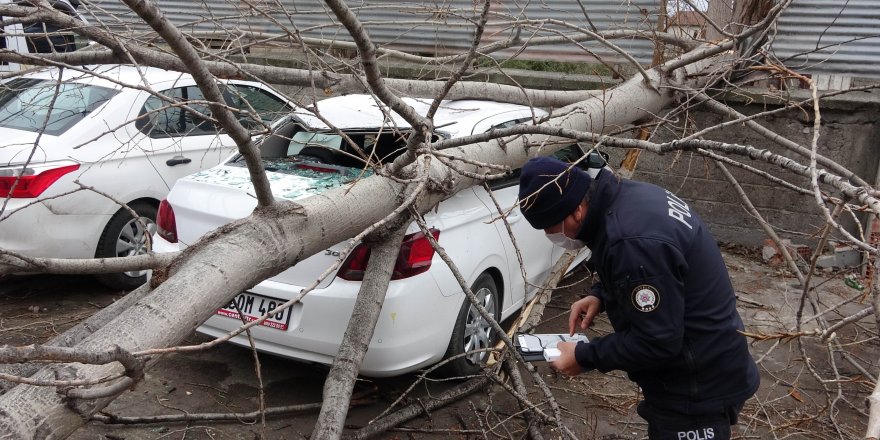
[[669, 298]]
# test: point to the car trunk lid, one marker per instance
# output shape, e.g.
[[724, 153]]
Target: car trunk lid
[[18, 144], [209, 199]]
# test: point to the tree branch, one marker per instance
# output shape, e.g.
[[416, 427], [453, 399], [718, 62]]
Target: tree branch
[[340, 380]]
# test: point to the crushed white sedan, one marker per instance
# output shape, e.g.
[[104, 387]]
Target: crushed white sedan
[[425, 316], [75, 143]]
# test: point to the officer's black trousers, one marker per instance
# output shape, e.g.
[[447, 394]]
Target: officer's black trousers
[[665, 424]]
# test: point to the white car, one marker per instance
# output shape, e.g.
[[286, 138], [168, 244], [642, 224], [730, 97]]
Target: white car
[[58, 127], [425, 316]]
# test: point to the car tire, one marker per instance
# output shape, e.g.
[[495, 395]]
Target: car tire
[[124, 236], [472, 331]]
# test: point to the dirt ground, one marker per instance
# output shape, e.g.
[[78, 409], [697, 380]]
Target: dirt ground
[[791, 403]]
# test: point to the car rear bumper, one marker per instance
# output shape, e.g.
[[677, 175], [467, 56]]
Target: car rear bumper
[[412, 331], [36, 231], [406, 337]]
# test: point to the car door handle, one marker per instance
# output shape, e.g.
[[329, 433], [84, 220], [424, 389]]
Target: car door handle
[[177, 160], [514, 216]]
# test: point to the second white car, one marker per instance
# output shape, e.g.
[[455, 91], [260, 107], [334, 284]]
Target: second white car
[[74, 144], [425, 316]]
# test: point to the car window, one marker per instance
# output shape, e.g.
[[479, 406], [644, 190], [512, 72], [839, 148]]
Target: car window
[[513, 177], [567, 154], [331, 148], [507, 181], [47, 38], [25, 104], [42, 37], [511, 123], [248, 98], [294, 143], [160, 118], [595, 159], [499, 125], [307, 139]]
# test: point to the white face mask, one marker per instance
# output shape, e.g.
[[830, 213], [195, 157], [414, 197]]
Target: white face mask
[[565, 242]]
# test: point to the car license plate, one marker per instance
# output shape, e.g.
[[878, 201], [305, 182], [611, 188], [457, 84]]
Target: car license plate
[[254, 306]]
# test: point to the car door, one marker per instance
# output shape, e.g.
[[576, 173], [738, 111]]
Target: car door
[[255, 104], [178, 137], [534, 247], [182, 138]]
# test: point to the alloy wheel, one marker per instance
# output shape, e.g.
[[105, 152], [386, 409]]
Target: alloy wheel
[[135, 239], [478, 331]]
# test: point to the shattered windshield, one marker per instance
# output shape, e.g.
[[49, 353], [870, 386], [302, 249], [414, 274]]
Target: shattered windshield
[[304, 139], [295, 173], [291, 178], [302, 162], [318, 172], [357, 148]]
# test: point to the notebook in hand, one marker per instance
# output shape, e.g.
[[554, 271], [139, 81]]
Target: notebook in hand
[[532, 345]]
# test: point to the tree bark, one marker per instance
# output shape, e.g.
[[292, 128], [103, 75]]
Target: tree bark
[[721, 13], [873, 431], [341, 378]]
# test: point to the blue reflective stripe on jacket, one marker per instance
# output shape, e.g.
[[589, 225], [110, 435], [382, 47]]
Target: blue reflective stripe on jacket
[[668, 295]]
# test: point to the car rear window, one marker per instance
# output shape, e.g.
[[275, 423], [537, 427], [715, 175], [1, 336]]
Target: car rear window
[[53, 107], [295, 143]]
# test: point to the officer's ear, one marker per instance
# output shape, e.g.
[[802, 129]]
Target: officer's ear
[[580, 212]]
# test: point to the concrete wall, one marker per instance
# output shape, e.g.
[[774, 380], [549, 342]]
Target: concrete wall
[[849, 134]]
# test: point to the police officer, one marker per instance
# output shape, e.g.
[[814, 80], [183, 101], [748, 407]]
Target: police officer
[[666, 291]]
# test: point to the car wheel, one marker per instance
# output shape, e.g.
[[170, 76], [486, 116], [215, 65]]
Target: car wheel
[[125, 236], [472, 331]]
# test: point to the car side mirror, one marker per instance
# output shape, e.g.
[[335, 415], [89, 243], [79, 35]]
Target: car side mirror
[[596, 159]]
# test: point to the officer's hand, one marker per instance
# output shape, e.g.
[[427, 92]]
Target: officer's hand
[[583, 311], [566, 362]]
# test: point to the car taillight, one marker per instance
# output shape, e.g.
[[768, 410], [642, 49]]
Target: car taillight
[[356, 264], [414, 258], [29, 182], [166, 224], [415, 255]]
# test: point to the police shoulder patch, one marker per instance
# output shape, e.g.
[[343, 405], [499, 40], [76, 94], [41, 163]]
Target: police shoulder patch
[[645, 298]]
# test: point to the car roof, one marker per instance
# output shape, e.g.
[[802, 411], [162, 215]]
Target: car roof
[[113, 75], [454, 117]]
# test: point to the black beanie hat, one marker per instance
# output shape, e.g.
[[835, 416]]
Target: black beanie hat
[[549, 191]]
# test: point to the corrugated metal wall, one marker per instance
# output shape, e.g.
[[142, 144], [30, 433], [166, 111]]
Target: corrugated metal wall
[[830, 37], [440, 27]]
